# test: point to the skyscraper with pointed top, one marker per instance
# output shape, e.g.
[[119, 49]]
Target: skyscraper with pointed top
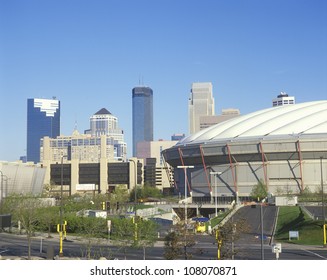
[[142, 111]]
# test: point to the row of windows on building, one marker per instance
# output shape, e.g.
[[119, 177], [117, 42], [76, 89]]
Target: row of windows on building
[[118, 173], [283, 102], [95, 141]]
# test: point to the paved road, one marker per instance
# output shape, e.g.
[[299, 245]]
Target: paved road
[[206, 248], [253, 219], [317, 211], [248, 247]]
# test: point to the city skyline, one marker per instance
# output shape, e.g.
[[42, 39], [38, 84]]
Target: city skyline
[[90, 56]]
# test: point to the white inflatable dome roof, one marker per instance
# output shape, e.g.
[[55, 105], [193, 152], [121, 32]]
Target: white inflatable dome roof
[[297, 119]]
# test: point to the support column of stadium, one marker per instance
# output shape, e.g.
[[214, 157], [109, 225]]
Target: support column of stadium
[[232, 166], [205, 170], [216, 174], [300, 162], [264, 164], [182, 161]]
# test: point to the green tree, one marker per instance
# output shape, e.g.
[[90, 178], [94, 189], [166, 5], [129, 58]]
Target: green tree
[[145, 192], [178, 241], [25, 210], [48, 190], [48, 218], [123, 233], [147, 234], [173, 246], [259, 191], [77, 203], [92, 230], [118, 199], [229, 233]]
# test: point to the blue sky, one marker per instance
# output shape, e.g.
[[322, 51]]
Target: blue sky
[[90, 54]]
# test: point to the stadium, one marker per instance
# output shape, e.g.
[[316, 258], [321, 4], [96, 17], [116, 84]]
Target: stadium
[[21, 178], [285, 147]]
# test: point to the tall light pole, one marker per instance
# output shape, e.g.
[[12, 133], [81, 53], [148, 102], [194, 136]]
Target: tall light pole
[[261, 222], [216, 174], [323, 203], [1, 198], [135, 198], [185, 167], [60, 227]]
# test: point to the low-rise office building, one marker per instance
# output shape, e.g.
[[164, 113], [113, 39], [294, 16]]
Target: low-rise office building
[[82, 163]]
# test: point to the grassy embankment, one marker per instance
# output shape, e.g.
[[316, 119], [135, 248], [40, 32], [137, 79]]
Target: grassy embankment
[[292, 218]]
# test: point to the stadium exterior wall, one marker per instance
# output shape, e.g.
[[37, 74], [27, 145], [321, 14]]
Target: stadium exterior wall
[[21, 178], [287, 164]]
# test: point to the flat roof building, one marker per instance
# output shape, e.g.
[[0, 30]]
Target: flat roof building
[[226, 114], [283, 99]]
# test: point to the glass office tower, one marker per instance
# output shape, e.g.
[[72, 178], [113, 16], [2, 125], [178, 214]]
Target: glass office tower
[[142, 115], [43, 119]]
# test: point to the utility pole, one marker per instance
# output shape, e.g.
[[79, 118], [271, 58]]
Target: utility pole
[[135, 199], [1, 198], [323, 203], [261, 222], [185, 167], [216, 174], [61, 227]]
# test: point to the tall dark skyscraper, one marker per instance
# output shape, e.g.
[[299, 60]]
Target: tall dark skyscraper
[[142, 115], [43, 119]]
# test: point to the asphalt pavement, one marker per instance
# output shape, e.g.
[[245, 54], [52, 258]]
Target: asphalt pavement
[[248, 247]]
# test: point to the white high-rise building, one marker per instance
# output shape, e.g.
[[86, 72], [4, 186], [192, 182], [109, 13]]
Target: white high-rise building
[[104, 123], [201, 103], [283, 99]]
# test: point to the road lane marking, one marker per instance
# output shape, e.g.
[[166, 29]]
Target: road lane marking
[[320, 256]]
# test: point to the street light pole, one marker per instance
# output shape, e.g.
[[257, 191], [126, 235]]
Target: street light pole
[[323, 203], [216, 173], [61, 225], [135, 199], [261, 222], [1, 190], [185, 206]]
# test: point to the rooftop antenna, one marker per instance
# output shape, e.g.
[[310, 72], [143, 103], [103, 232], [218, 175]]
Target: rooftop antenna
[[141, 83]]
